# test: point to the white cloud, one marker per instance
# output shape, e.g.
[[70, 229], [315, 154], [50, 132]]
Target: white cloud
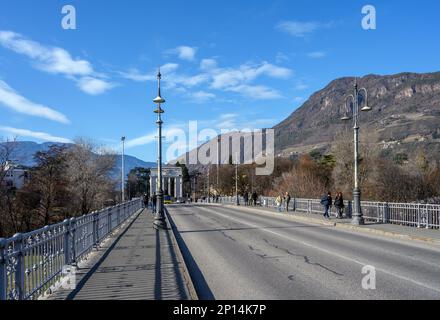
[[34, 134], [94, 86], [256, 91], [202, 96], [301, 86], [13, 100], [184, 52], [208, 64], [297, 28], [229, 77], [317, 54], [144, 140], [55, 60]]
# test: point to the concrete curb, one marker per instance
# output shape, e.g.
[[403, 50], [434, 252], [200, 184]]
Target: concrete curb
[[345, 226], [186, 275]]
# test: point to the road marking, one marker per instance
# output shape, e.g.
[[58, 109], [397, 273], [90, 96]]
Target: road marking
[[322, 250]]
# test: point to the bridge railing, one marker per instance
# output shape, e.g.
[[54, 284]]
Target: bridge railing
[[31, 263], [408, 214]]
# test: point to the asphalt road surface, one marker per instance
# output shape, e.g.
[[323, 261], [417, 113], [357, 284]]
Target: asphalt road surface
[[240, 254]]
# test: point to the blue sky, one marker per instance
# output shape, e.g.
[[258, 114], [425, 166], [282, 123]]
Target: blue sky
[[228, 64]]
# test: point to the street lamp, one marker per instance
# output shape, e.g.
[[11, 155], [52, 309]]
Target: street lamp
[[357, 218], [159, 219], [237, 201], [122, 171]]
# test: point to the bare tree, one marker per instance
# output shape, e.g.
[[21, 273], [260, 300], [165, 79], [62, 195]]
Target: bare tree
[[88, 172]]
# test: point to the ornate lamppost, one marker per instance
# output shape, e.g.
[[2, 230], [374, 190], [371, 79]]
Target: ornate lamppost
[[357, 218], [159, 219]]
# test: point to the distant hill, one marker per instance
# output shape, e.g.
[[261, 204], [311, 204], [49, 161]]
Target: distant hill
[[25, 150]]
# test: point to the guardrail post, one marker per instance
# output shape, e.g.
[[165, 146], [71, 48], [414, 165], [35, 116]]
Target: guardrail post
[[19, 268], [66, 247], [109, 220], [386, 212], [418, 215], [72, 229], [3, 274], [95, 229], [118, 215]]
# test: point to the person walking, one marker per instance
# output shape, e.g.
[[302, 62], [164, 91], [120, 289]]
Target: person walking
[[246, 198], [279, 202], [254, 198], [327, 201], [339, 205], [146, 200], [154, 202], [287, 200]]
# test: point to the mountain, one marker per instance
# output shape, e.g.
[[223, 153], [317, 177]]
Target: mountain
[[405, 117], [24, 151]]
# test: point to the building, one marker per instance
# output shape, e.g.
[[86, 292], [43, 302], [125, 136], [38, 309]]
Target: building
[[171, 181], [16, 175]]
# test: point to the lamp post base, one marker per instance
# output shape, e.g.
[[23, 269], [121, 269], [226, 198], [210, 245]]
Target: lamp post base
[[357, 218], [159, 219]]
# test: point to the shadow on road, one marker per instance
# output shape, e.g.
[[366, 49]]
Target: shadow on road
[[200, 284]]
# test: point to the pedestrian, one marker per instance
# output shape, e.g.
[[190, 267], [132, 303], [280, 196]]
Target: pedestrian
[[154, 202], [339, 205], [254, 198], [279, 202], [146, 200], [287, 199], [246, 198], [326, 201]]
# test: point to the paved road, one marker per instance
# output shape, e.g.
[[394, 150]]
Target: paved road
[[238, 254]]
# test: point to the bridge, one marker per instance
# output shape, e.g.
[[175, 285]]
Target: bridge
[[223, 251]]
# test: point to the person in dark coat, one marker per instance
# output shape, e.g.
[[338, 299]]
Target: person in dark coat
[[154, 202], [339, 205], [146, 200], [287, 200], [246, 198], [327, 202], [254, 198]]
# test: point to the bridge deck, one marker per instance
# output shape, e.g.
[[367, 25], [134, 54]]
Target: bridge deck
[[140, 264]]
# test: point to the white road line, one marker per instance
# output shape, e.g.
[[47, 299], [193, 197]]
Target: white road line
[[324, 250]]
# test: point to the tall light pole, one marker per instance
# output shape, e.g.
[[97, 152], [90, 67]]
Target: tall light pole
[[209, 185], [159, 219], [218, 162], [357, 218], [123, 171], [237, 202]]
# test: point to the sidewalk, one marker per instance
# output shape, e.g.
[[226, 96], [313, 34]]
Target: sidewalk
[[139, 263], [431, 236]]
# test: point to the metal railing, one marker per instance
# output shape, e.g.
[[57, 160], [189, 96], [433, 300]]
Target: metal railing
[[31, 263], [408, 214]]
